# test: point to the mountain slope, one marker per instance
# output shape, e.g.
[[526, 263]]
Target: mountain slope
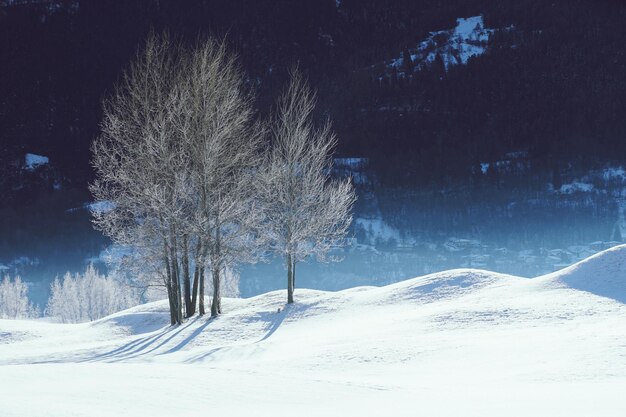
[[461, 342]]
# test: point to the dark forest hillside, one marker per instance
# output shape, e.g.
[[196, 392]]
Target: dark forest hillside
[[553, 86]]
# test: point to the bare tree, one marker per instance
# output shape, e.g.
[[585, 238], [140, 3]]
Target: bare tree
[[141, 165], [223, 140], [176, 161], [308, 213]]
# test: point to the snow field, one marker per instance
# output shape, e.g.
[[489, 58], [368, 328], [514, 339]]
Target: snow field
[[457, 343]]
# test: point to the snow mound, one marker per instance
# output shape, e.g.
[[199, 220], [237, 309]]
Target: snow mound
[[141, 319], [445, 285], [602, 274]]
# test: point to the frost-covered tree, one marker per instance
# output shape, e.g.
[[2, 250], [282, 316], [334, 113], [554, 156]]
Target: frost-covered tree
[[141, 165], [14, 302], [308, 213], [219, 132], [87, 297], [176, 160]]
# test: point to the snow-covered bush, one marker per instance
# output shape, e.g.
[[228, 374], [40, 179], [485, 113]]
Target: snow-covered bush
[[87, 297], [14, 302]]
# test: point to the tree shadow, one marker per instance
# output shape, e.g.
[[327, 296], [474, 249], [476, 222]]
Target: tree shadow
[[138, 323], [274, 320], [143, 346], [189, 338]]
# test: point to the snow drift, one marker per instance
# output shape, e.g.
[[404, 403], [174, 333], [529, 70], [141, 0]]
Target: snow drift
[[602, 274]]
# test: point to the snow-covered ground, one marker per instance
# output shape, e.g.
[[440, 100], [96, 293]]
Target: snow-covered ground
[[456, 343]]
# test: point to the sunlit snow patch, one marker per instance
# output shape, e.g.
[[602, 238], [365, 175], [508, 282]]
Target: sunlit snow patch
[[576, 187], [614, 173], [455, 46], [33, 161]]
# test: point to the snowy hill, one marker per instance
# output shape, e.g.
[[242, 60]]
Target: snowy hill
[[456, 343], [603, 274]]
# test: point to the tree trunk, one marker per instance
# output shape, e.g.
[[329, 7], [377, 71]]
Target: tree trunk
[[186, 279], [290, 280], [175, 278], [196, 278], [168, 284], [170, 299], [216, 304], [202, 312]]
